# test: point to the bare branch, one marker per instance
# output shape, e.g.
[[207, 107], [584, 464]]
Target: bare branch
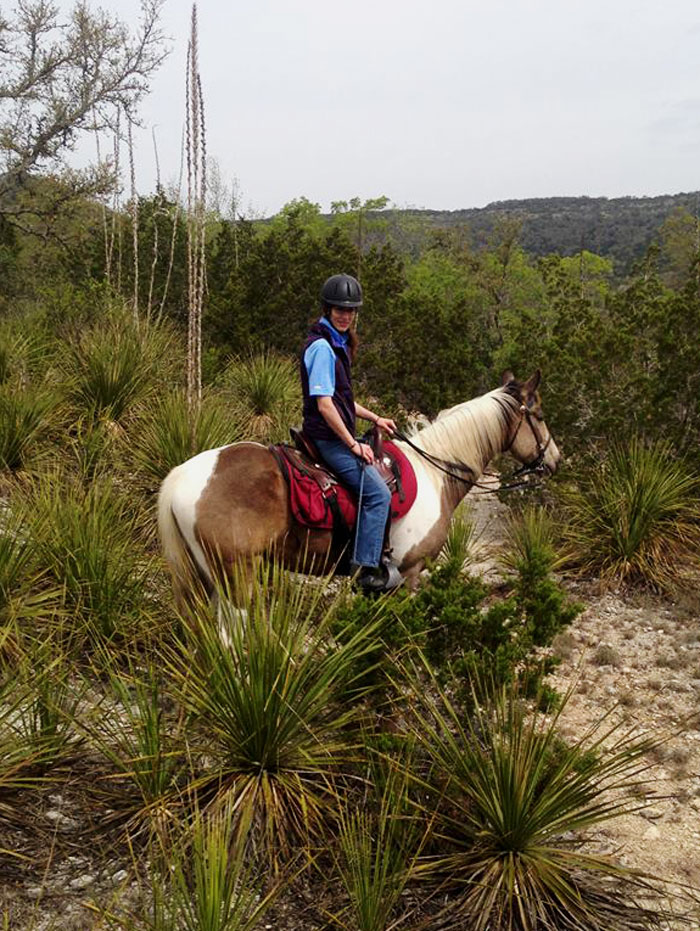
[[60, 78]]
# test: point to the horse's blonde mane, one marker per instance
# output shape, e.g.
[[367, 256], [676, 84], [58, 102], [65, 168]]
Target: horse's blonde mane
[[471, 432]]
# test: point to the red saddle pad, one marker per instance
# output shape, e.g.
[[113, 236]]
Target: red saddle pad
[[314, 507]]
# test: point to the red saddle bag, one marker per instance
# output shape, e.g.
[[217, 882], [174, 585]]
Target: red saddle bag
[[317, 500]]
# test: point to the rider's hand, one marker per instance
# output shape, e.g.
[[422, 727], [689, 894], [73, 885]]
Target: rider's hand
[[386, 424], [365, 452]]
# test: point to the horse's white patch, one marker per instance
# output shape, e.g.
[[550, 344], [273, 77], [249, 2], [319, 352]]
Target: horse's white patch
[[230, 621], [189, 481], [408, 531]]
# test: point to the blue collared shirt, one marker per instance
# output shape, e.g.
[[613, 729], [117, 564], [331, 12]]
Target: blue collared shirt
[[319, 360]]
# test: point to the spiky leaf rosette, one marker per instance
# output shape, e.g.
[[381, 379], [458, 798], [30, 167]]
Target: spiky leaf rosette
[[637, 517], [269, 684], [511, 802]]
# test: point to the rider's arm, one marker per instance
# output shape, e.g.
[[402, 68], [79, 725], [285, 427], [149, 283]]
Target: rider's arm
[[330, 414], [384, 422]]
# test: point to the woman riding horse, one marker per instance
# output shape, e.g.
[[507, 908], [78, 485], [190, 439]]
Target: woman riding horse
[[227, 506], [329, 422]]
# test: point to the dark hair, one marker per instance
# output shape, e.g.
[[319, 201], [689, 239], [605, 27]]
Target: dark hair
[[353, 338]]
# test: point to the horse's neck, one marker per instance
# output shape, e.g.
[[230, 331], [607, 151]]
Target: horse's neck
[[471, 433]]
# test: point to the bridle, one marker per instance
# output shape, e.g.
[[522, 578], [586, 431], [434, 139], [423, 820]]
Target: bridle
[[536, 466], [452, 469]]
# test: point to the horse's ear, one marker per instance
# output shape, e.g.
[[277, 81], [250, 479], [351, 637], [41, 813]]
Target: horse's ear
[[532, 384], [507, 377]]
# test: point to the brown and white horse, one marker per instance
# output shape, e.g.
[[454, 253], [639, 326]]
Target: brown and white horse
[[227, 505]]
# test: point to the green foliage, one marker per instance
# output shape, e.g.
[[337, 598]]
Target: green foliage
[[378, 846], [24, 419], [266, 389], [86, 539], [545, 607], [464, 635], [21, 762], [166, 433], [46, 716], [461, 540], [135, 733], [511, 802], [16, 558], [636, 517], [110, 367], [266, 683], [200, 880]]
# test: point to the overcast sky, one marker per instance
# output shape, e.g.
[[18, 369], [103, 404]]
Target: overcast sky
[[435, 103]]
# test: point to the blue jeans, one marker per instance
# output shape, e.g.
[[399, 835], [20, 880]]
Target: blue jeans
[[376, 497]]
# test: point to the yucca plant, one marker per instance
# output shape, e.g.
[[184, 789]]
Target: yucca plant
[[47, 714], [22, 354], [92, 448], [145, 744], [113, 365], [267, 387], [265, 681], [532, 542], [636, 518], [23, 763], [511, 802], [461, 540], [87, 542], [167, 433], [378, 844], [17, 556], [202, 880], [24, 418]]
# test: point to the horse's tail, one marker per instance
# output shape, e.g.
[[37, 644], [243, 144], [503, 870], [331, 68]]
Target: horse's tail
[[191, 581]]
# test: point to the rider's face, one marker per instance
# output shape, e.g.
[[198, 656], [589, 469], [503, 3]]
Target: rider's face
[[342, 317]]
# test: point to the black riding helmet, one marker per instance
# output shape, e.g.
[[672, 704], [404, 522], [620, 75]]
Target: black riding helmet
[[341, 291]]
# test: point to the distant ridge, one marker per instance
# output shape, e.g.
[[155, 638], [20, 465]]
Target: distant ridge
[[621, 228]]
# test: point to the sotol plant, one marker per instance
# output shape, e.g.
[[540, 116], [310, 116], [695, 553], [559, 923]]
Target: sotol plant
[[270, 688], [511, 803], [167, 433], [636, 518]]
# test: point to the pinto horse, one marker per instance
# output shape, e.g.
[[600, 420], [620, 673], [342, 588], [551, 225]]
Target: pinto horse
[[228, 505]]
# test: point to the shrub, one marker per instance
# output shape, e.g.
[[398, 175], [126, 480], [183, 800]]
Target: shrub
[[271, 688], [379, 842], [465, 637], [636, 518], [461, 540], [111, 366], [140, 739], [87, 542], [166, 434], [267, 388], [509, 800], [24, 418]]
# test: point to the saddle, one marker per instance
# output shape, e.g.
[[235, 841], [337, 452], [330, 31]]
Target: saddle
[[317, 498]]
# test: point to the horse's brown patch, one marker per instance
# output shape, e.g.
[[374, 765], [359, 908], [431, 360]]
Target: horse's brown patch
[[244, 510]]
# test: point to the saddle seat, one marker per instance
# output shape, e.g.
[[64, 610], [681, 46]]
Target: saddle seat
[[317, 497]]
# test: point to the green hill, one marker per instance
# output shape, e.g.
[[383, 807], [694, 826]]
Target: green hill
[[621, 228]]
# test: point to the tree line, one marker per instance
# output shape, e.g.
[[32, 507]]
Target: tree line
[[619, 355]]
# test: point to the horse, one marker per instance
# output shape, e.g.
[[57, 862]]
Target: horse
[[230, 505]]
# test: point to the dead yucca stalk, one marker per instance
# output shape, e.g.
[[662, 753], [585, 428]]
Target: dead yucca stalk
[[196, 213], [134, 211]]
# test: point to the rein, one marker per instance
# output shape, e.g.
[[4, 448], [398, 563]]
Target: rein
[[535, 467]]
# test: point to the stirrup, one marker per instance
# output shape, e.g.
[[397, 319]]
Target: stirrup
[[394, 577]]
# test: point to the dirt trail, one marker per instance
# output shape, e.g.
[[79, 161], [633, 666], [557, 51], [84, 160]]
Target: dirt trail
[[640, 655]]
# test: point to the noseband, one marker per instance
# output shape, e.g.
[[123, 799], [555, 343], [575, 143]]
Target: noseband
[[537, 464]]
